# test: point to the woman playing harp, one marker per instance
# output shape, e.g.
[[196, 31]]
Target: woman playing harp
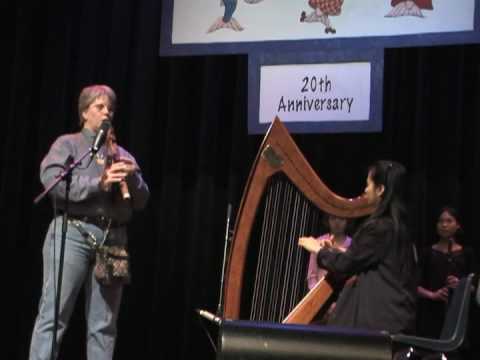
[[283, 199], [381, 256]]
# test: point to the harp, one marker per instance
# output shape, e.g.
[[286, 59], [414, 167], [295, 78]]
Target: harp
[[282, 193]]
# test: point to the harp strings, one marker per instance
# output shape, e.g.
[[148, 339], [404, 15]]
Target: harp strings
[[280, 275]]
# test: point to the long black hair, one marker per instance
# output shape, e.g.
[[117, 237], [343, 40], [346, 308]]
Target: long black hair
[[392, 175]]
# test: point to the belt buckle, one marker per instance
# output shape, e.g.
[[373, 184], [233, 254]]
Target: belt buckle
[[101, 221]]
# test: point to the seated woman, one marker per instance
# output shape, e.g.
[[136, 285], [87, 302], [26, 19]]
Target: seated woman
[[382, 297]]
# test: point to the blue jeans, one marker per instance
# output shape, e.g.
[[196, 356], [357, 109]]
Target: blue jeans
[[101, 303]]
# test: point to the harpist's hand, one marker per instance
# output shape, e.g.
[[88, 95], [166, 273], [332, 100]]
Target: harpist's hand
[[310, 244], [326, 242]]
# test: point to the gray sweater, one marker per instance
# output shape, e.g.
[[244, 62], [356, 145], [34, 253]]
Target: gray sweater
[[86, 197]]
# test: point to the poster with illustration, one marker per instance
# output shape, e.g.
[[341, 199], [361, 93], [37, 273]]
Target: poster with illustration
[[240, 26]]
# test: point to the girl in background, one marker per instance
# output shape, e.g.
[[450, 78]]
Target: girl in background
[[339, 239], [442, 265]]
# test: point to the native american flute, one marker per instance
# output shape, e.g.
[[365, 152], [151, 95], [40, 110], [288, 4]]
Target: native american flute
[[113, 155]]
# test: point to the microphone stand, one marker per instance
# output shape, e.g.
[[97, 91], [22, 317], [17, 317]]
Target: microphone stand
[[217, 319], [66, 175], [227, 241]]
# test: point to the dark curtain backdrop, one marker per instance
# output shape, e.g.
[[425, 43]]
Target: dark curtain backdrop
[[185, 121]]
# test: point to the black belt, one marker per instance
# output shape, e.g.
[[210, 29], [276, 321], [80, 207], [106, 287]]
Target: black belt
[[99, 221]]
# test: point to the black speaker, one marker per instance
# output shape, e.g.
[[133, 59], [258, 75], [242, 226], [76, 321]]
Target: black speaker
[[249, 340]]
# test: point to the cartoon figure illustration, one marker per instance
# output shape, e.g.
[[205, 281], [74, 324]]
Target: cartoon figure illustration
[[322, 9], [409, 7], [227, 21]]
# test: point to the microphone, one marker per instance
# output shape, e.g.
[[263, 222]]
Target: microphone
[[209, 316], [101, 136]]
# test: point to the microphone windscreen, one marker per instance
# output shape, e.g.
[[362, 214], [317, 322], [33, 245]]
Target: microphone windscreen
[[106, 124], [101, 135]]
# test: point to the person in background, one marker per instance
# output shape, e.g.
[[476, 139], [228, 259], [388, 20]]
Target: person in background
[[442, 265], [339, 239]]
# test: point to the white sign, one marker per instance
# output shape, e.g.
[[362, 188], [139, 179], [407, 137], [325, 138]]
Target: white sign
[[315, 92]]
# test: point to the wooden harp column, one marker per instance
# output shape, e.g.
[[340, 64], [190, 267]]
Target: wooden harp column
[[279, 154]]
